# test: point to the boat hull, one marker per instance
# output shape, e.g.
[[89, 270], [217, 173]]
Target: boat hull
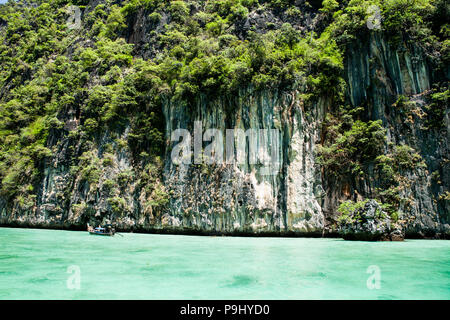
[[101, 234]]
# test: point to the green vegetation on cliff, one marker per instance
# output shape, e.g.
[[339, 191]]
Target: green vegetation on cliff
[[81, 82]]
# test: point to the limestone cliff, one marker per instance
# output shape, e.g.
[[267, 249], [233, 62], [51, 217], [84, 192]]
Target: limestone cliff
[[91, 180]]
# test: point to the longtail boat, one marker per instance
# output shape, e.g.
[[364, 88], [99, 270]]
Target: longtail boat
[[107, 230]]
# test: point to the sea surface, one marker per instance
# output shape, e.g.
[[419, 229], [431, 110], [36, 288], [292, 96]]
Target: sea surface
[[52, 264]]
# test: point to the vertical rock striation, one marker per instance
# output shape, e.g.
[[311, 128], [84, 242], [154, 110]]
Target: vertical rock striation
[[238, 198]]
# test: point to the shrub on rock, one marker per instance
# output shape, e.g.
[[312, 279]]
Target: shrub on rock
[[367, 221]]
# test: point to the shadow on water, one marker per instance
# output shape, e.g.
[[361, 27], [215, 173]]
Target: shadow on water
[[241, 281], [55, 260], [316, 275], [39, 280], [9, 256], [8, 273]]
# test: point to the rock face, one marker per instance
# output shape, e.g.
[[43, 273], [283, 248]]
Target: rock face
[[238, 198], [370, 223], [377, 73], [300, 199]]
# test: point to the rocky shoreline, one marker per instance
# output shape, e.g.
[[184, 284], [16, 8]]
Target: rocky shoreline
[[187, 232]]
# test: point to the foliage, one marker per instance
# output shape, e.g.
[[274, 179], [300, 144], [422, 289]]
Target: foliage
[[399, 19], [350, 145], [391, 168], [350, 211], [348, 208], [440, 100]]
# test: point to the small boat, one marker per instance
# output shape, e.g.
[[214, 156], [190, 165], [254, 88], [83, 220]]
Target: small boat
[[107, 230]]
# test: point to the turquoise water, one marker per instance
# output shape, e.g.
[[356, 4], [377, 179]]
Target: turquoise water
[[34, 264]]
